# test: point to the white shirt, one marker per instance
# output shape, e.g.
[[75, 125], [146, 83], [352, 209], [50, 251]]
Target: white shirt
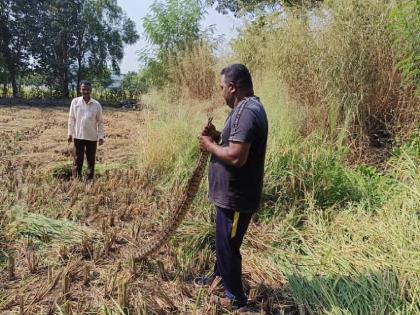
[[85, 120]]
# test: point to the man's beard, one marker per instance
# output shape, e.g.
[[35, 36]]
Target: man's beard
[[230, 101]]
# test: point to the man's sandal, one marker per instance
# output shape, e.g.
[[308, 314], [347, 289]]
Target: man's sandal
[[229, 304]]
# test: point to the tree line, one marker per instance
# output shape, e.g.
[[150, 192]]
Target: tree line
[[173, 28], [61, 41], [56, 43]]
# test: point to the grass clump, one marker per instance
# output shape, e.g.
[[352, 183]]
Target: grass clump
[[311, 170], [46, 230], [63, 171], [192, 71]]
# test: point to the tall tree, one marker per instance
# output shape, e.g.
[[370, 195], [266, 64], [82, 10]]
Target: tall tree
[[19, 27], [173, 23], [85, 38], [56, 51], [104, 28], [171, 26], [3, 76]]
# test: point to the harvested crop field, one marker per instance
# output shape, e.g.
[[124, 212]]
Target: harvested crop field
[[70, 247]]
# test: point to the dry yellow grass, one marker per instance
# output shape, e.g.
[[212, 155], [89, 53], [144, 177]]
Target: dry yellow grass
[[69, 247]]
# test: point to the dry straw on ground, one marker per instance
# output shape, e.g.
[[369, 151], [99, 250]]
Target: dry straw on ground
[[70, 244]]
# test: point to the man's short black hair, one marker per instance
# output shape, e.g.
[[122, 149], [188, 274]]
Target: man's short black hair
[[238, 75], [85, 82]]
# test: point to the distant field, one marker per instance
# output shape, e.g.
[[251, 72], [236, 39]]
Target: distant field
[[39, 135]]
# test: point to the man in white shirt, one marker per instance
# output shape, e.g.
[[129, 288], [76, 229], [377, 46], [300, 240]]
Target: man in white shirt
[[86, 129]]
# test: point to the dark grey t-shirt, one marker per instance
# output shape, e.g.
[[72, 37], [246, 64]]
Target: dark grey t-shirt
[[239, 188]]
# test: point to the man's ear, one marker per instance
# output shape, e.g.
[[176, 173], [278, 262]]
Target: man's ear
[[232, 87]]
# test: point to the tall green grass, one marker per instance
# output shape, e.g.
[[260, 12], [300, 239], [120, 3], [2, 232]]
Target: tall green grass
[[165, 147], [344, 236], [343, 233], [343, 61], [405, 27], [358, 262]]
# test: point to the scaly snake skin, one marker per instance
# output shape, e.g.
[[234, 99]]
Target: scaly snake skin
[[187, 197]]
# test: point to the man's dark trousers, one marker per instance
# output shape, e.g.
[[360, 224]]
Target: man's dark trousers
[[231, 227], [79, 147]]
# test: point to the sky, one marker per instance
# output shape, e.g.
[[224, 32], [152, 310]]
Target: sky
[[225, 25]]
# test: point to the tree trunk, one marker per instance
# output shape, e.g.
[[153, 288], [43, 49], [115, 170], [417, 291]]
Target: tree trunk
[[79, 74], [9, 60], [66, 92], [15, 89]]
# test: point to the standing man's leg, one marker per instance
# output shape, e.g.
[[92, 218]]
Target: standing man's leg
[[230, 231], [79, 152], [90, 157]]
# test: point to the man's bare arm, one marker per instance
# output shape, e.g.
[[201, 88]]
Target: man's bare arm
[[235, 154]]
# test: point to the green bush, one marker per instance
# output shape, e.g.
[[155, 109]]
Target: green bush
[[348, 262], [406, 30], [311, 172]]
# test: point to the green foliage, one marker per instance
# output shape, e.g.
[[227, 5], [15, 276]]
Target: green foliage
[[65, 41], [104, 30], [134, 84], [154, 71], [311, 170], [55, 54], [85, 40], [19, 29], [412, 144], [239, 7], [406, 29], [170, 27]]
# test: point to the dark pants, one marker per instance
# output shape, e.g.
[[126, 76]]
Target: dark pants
[[80, 146], [231, 227]]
